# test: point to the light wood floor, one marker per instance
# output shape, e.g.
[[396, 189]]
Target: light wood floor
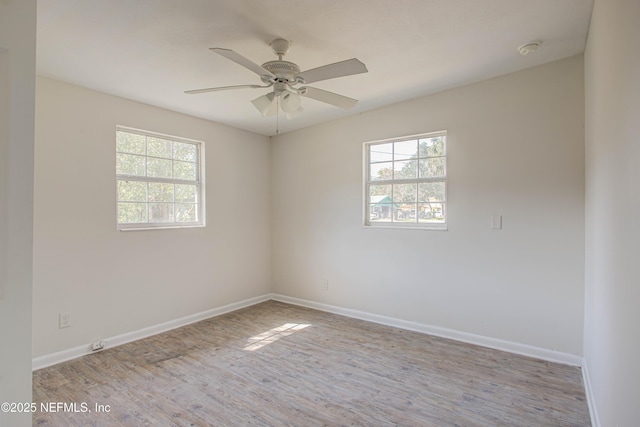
[[275, 364]]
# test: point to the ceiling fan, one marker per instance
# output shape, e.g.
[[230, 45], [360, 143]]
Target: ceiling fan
[[288, 81]]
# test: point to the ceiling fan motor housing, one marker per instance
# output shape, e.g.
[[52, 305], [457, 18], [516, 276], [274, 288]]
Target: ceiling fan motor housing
[[284, 71]]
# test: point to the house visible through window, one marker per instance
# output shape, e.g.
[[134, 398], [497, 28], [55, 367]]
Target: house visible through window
[[159, 180], [406, 182]]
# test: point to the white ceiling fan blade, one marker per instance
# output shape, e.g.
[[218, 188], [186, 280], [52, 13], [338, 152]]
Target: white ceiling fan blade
[[331, 71], [241, 60], [328, 97], [215, 89], [266, 105]]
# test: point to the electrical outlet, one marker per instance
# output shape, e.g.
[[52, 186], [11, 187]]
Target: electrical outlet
[[98, 345], [64, 320], [325, 284]]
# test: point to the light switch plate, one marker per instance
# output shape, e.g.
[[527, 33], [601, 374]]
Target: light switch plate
[[496, 222]]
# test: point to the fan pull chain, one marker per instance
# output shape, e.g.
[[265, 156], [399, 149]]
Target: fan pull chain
[[277, 115]]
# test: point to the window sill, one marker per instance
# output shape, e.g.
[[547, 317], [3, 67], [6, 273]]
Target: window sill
[[147, 227], [431, 227]]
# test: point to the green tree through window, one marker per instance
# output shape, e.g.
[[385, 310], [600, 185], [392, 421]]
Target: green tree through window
[[406, 181]]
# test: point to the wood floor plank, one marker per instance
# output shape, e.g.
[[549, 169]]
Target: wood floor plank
[[275, 364]]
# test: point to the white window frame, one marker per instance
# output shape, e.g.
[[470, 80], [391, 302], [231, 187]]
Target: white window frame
[[367, 182], [199, 182]]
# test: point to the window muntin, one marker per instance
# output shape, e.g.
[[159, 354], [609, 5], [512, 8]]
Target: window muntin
[[406, 182], [159, 181]]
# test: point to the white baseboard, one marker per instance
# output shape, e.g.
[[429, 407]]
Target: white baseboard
[[593, 411], [498, 344], [72, 353]]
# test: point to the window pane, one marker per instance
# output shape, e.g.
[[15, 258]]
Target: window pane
[[380, 212], [154, 196], [186, 212], [381, 171], [157, 147], [380, 202], [132, 212], [132, 191], [186, 193], [130, 143], [160, 212], [185, 152], [403, 193], [160, 168], [405, 169], [184, 170], [381, 153], [404, 212], [159, 192], [431, 212], [414, 189], [431, 192], [129, 164], [432, 167], [432, 146], [383, 191], [405, 150]]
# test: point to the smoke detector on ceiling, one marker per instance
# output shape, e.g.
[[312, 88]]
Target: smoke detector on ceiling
[[529, 48]]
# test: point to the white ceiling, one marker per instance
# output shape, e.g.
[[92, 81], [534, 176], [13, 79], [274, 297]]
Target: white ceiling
[[153, 50]]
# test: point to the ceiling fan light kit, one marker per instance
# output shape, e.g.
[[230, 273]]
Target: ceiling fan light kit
[[264, 104], [286, 79], [290, 103]]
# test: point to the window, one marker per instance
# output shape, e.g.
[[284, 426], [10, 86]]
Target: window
[[406, 182], [160, 181]]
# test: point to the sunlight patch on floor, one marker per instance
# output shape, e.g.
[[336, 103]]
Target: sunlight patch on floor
[[272, 335]]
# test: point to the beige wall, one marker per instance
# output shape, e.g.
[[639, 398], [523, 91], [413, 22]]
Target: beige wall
[[117, 282], [17, 93], [516, 148], [612, 318]]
